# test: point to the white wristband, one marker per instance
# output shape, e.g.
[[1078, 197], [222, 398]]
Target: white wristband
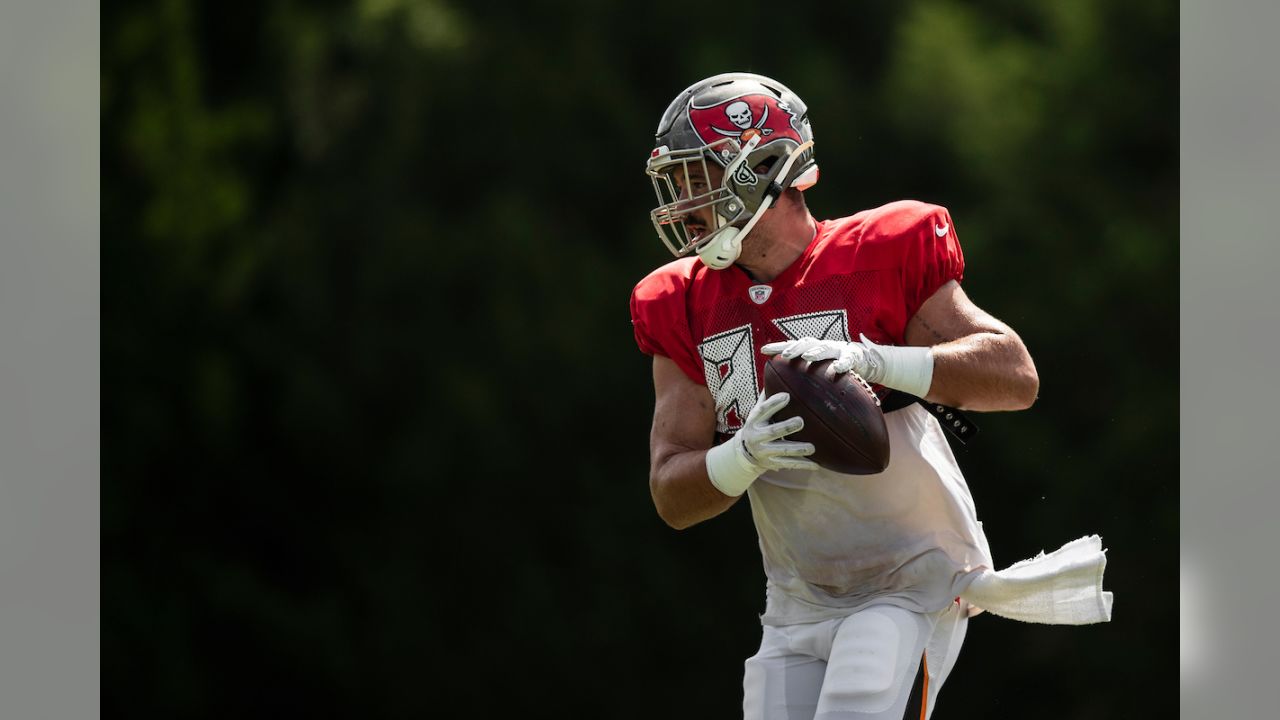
[[729, 468], [909, 369]]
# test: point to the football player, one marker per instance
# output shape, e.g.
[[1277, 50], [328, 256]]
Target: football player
[[862, 617]]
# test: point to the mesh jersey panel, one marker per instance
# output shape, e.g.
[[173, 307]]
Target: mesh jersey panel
[[835, 307]]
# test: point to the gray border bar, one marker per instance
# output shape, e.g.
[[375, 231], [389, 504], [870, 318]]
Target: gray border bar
[[49, 372], [1230, 165]]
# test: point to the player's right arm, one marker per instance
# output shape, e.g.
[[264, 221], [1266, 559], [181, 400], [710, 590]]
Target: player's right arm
[[684, 428], [692, 480]]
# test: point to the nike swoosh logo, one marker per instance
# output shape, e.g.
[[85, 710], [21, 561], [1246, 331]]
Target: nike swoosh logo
[[940, 230]]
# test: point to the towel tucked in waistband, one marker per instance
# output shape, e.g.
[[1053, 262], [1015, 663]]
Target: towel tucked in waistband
[[1061, 588]]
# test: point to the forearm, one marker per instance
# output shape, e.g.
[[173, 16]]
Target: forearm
[[692, 480], [682, 491], [984, 371]]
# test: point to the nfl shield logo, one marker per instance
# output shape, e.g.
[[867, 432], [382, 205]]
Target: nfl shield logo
[[759, 293]]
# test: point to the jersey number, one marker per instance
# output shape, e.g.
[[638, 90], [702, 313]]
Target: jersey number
[[729, 361]]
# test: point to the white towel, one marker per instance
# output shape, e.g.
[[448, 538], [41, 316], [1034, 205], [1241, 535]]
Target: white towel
[[1061, 588]]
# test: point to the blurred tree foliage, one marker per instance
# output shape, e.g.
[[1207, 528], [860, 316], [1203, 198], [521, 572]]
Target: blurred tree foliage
[[376, 428]]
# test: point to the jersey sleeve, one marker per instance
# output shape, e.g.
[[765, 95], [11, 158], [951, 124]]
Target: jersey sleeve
[[661, 323], [932, 255]]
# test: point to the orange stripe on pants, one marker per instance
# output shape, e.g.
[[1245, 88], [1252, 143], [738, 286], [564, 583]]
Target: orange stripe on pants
[[924, 694]]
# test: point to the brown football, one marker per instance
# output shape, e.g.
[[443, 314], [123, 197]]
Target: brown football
[[842, 417]]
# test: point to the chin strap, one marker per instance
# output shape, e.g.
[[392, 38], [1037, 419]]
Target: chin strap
[[723, 250]]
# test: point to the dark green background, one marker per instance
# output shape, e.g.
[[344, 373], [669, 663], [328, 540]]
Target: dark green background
[[375, 425]]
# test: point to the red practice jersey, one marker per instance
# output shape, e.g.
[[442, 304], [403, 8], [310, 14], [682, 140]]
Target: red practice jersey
[[832, 543], [868, 273]]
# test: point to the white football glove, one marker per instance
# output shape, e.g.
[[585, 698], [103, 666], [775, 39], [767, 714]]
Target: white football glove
[[758, 446], [909, 369]]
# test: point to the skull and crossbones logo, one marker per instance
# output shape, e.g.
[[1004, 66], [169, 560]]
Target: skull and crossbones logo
[[739, 113]]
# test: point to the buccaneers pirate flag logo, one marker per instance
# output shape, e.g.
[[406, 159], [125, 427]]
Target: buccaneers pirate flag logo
[[743, 118]]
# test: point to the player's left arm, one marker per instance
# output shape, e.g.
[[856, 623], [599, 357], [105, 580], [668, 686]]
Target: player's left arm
[[979, 363]]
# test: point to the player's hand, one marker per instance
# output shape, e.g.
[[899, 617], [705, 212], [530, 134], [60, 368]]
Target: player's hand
[[757, 447], [909, 369], [763, 442], [848, 356]]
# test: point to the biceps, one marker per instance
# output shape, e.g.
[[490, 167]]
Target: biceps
[[948, 315], [684, 416]]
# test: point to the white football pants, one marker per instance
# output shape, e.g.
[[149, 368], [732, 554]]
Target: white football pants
[[881, 663]]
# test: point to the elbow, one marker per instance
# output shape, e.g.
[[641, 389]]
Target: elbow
[[665, 511], [1023, 381], [1026, 387], [675, 523]]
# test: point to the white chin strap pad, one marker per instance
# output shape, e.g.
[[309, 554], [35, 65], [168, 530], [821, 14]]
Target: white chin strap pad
[[723, 251]]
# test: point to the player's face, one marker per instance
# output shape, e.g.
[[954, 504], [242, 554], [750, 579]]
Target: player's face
[[697, 182]]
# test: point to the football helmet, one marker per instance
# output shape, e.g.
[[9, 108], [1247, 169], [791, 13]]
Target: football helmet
[[725, 149]]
